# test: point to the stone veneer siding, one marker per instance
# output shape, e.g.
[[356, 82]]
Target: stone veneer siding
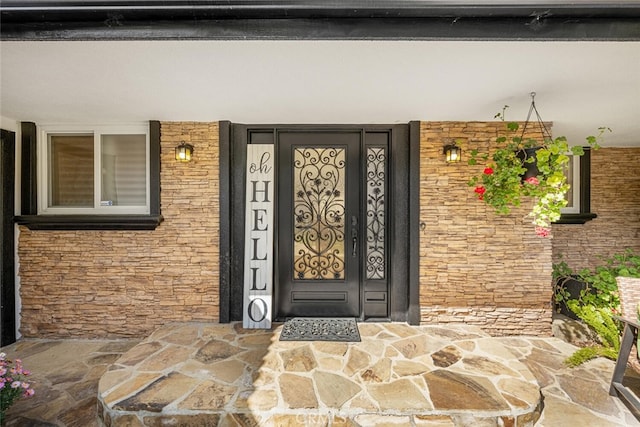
[[476, 267], [615, 198], [127, 283]]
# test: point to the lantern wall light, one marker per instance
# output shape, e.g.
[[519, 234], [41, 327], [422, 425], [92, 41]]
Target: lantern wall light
[[452, 153], [184, 152]]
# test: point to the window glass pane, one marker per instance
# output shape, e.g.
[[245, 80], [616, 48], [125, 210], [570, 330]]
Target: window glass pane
[[568, 171], [71, 170], [123, 170]]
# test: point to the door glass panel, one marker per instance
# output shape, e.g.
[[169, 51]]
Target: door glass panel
[[376, 160], [319, 213]]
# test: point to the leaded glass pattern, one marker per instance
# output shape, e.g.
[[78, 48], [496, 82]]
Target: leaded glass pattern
[[319, 213], [375, 251]]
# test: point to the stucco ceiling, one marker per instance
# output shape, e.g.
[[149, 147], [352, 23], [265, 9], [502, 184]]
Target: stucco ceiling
[[580, 85]]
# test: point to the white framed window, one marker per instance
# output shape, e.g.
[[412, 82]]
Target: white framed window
[[93, 169], [572, 172]]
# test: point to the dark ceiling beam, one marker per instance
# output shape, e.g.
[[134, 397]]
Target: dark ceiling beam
[[90, 10], [319, 20]]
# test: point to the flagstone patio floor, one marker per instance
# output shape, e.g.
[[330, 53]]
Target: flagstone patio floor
[[201, 374]]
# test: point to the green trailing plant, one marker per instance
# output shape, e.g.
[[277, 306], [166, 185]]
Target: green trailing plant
[[601, 287], [501, 186], [597, 302], [585, 354], [599, 319], [603, 279], [561, 273]]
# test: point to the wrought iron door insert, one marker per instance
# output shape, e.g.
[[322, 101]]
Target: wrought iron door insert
[[331, 221]]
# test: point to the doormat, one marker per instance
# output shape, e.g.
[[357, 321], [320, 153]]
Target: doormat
[[320, 329]]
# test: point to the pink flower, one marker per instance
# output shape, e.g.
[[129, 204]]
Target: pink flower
[[488, 171], [532, 180], [15, 384], [542, 231], [29, 392]]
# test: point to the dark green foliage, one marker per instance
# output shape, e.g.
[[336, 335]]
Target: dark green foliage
[[602, 288], [597, 302]]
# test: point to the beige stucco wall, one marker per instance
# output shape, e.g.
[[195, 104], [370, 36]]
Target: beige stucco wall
[[615, 198], [476, 267], [126, 283]]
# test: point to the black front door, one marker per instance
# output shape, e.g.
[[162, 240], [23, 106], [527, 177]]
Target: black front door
[[345, 220], [319, 223]]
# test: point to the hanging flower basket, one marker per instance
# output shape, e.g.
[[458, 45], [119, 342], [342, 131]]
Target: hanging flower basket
[[523, 167], [531, 167]]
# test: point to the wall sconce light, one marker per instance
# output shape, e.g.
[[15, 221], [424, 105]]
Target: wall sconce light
[[452, 153], [184, 152]]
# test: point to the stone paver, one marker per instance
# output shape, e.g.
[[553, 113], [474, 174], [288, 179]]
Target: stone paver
[[577, 394], [223, 375], [65, 375], [397, 375]]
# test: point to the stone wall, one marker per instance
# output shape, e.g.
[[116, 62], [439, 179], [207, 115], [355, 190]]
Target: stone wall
[[615, 198], [127, 283], [477, 267]]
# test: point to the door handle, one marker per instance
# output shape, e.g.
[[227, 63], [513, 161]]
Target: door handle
[[354, 235]]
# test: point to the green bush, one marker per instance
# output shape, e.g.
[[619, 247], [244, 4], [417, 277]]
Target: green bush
[[597, 302], [599, 319], [587, 353], [602, 288]]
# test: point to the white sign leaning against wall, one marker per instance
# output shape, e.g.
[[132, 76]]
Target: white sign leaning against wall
[[258, 241]]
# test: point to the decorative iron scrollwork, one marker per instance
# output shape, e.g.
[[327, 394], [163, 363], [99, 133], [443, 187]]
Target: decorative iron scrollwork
[[376, 173], [319, 213]]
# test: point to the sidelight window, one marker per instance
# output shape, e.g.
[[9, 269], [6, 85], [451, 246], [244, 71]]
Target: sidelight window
[[376, 212]]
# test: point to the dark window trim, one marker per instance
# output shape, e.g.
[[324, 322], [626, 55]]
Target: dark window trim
[[414, 223], [226, 221], [7, 255], [585, 194], [31, 220], [90, 222], [29, 175]]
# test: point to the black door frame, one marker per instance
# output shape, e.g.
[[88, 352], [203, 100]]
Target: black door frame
[[7, 257], [404, 166]]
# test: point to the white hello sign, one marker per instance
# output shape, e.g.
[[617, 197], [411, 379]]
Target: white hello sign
[[258, 252]]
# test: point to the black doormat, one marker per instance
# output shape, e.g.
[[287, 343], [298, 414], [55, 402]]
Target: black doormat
[[320, 329]]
